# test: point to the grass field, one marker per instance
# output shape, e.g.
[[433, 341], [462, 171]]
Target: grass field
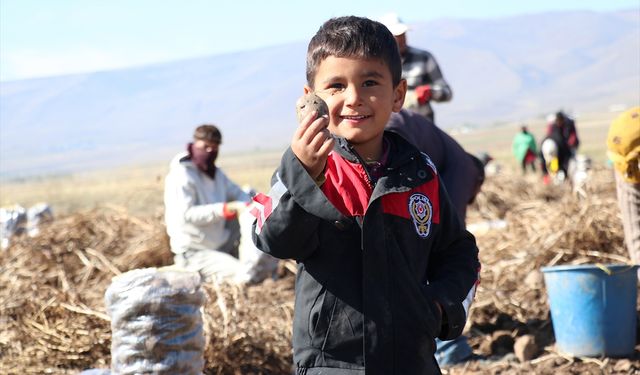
[[139, 188]]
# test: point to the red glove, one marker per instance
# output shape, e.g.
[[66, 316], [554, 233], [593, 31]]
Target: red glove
[[228, 212], [231, 210], [423, 93]]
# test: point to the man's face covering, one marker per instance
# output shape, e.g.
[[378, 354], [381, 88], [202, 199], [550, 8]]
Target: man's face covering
[[204, 156]]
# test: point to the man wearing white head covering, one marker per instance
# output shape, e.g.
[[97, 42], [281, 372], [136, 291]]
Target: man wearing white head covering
[[424, 79]]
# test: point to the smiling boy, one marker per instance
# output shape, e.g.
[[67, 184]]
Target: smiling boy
[[384, 263]]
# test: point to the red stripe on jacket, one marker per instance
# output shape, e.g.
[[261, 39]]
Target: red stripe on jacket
[[347, 188], [398, 203]]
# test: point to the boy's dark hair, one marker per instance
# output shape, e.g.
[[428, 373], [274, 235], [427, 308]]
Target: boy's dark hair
[[207, 132], [353, 37]]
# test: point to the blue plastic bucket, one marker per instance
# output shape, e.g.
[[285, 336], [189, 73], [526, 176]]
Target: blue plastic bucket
[[593, 309]]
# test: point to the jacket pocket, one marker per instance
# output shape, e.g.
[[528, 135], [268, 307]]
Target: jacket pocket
[[413, 308], [335, 326]]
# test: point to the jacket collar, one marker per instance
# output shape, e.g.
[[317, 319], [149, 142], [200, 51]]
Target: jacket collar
[[400, 150]]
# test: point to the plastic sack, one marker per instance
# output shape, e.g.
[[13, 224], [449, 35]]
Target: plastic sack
[[16, 220], [96, 371], [36, 215], [156, 322], [256, 265], [13, 221]]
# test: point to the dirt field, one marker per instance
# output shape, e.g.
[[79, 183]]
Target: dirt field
[[52, 286]]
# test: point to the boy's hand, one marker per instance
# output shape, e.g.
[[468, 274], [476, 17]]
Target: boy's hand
[[312, 143]]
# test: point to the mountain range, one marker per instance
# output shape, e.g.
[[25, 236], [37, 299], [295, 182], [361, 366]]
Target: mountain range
[[501, 70]]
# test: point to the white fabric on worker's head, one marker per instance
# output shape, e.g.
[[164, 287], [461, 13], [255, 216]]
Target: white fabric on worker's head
[[394, 24]]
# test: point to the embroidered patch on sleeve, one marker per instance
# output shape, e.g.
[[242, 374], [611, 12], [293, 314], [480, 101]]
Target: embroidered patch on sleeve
[[421, 212]]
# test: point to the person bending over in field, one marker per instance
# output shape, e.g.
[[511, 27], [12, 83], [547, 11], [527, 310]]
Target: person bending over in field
[[202, 206]]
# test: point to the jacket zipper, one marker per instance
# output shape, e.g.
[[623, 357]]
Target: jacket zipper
[[364, 166]]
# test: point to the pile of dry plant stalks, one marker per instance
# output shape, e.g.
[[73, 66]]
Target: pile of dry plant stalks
[[248, 330], [52, 309], [547, 225], [52, 286]]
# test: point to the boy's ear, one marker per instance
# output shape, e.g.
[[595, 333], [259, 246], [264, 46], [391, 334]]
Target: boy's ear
[[398, 95], [307, 89]]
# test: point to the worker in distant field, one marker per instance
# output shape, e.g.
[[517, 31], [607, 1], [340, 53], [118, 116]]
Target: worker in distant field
[[623, 144], [558, 147], [563, 128], [524, 149], [424, 79], [202, 206]]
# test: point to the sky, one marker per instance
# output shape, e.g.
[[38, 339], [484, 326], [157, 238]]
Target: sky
[[40, 38]]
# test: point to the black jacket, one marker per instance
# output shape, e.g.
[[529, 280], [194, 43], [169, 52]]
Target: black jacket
[[372, 262]]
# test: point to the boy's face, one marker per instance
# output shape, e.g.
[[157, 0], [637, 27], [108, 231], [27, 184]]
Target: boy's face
[[360, 96]]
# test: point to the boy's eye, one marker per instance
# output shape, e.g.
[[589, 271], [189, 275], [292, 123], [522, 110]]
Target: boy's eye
[[369, 83], [334, 88]]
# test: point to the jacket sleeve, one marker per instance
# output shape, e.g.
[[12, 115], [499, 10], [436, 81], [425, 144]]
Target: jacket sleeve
[[573, 140], [456, 169], [441, 92], [284, 226], [532, 145], [460, 174], [233, 191], [181, 200], [453, 270], [201, 213]]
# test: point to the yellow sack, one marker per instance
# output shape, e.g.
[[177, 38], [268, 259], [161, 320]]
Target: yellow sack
[[554, 166], [623, 144]]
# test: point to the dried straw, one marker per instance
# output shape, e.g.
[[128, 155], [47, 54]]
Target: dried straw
[[52, 286], [546, 225]]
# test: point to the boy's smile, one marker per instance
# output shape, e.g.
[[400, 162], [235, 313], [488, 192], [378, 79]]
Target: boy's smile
[[361, 97]]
